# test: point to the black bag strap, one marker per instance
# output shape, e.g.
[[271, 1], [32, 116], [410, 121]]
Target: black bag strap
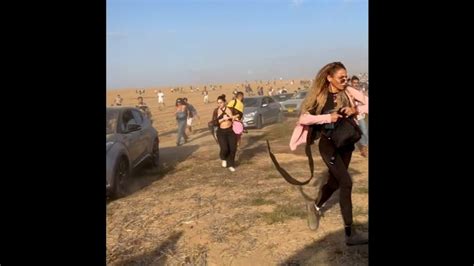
[[211, 124], [214, 115], [213, 132], [223, 112], [284, 173]]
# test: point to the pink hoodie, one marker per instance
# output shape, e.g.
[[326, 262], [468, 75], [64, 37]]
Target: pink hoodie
[[301, 130]]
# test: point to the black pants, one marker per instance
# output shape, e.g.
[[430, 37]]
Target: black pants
[[228, 144], [338, 176]]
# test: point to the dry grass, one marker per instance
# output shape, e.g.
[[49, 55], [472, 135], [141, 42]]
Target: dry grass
[[271, 176], [359, 211], [261, 201], [283, 213], [361, 190], [279, 132]]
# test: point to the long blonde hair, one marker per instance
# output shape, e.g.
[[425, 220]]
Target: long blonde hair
[[318, 93]]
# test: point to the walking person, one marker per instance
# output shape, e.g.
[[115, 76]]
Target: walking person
[[327, 101], [181, 117], [225, 135], [118, 100], [161, 99], [192, 114], [206, 95], [237, 108], [364, 140]]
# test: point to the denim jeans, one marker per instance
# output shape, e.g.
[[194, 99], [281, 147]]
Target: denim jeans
[[181, 128], [365, 137]]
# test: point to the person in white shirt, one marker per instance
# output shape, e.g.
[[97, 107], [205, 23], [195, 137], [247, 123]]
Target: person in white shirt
[[118, 100], [270, 92], [161, 99], [364, 141], [206, 95]]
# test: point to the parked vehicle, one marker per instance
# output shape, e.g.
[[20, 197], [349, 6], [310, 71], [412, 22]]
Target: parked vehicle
[[282, 97], [130, 140], [293, 105], [261, 110]]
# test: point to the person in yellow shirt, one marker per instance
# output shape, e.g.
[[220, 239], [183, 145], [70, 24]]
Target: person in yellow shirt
[[238, 102], [237, 108]]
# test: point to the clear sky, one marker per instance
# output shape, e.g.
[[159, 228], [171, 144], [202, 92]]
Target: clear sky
[[179, 42]]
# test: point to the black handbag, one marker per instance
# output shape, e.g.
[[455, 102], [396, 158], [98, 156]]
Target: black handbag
[[345, 132]]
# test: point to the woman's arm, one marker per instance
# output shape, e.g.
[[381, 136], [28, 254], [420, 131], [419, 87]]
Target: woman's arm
[[363, 107], [309, 119], [228, 112]]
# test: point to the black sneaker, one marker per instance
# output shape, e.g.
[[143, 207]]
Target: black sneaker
[[357, 238]]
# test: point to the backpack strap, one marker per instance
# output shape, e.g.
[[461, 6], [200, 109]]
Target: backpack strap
[[235, 111]]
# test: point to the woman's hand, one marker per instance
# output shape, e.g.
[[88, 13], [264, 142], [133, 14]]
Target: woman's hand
[[348, 111], [335, 116]]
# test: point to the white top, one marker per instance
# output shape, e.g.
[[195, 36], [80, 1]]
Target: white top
[[160, 96]]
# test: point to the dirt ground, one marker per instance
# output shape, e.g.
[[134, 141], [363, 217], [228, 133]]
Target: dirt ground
[[191, 211]]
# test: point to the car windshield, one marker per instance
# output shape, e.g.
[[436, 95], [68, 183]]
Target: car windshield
[[300, 95], [111, 122], [251, 102]]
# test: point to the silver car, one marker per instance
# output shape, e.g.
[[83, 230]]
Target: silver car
[[282, 97], [261, 110], [130, 140], [293, 105]]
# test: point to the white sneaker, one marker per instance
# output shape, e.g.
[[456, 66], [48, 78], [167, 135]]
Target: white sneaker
[[224, 163], [232, 169]]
